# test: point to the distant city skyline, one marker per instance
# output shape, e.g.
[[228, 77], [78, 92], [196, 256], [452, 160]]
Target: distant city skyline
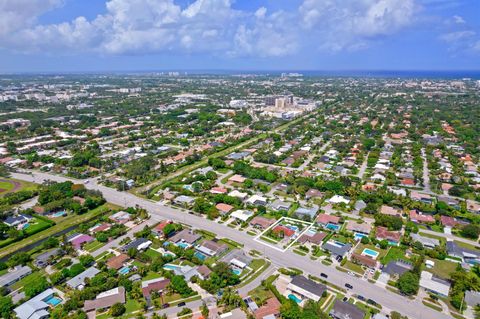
[[256, 35]]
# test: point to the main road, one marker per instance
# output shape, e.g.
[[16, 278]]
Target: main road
[[389, 300]]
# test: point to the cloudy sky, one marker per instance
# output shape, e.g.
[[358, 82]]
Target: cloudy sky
[[123, 35]]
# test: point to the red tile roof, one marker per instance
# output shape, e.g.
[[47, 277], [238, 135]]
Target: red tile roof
[[325, 219], [384, 233]]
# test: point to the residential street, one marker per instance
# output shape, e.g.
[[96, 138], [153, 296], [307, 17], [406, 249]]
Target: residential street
[[389, 300]]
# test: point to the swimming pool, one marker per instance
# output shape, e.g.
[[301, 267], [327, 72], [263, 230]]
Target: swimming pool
[[171, 267], [332, 226], [59, 214], [183, 245], [124, 270], [294, 298], [311, 232], [200, 256], [392, 243], [26, 226], [293, 227], [370, 252], [53, 301], [359, 236], [237, 272]]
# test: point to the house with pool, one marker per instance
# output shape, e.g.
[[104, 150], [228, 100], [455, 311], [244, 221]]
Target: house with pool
[[38, 307], [359, 230], [393, 237], [329, 222], [237, 259], [209, 248], [336, 248], [185, 238], [301, 289]]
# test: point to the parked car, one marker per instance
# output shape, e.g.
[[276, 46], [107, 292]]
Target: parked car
[[371, 302], [323, 275], [348, 286], [165, 305], [360, 297], [181, 304]]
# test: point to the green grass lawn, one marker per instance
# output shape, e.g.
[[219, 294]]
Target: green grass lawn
[[394, 253], [35, 225], [443, 268], [361, 247], [260, 294], [151, 275], [152, 253], [92, 246], [466, 245], [26, 281], [354, 267], [28, 186], [6, 186], [71, 220]]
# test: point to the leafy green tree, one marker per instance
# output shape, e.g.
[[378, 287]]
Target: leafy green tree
[[408, 283], [36, 287], [117, 309], [471, 231], [6, 306]]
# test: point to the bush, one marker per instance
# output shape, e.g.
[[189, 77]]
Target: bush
[[117, 309]]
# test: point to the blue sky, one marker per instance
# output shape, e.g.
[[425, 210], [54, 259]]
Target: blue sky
[[128, 35]]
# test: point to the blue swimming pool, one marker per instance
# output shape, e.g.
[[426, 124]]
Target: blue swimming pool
[[200, 256], [293, 227], [294, 298], [237, 272], [370, 252], [124, 270], [183, 245], [332, 226], [171, 267], [392, 243], [59, 214], [359, 236], [53, 301], [26, 226]]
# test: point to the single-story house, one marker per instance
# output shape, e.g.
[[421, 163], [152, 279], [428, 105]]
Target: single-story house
[[117, 262], [278, 205], [261, 222], [433, 284], [12, 277], [306, 288], [15, 221], [336, 248], [184, 200], [211, 248], [120, 217], [237, 194], [138, 244], [472, 298], [364, 260], [203, 272], [237, 258], [241, 215], [81, 239], [78, 281], [35, 308], [283, 231], [44, 259], [315, 239], [224, 208], [427, 242], [425, 198], [154, 285], [257, 200], [346, 310], [388, 210], [420, 218], [313, 193], [397, 267], [363, 228], [338, 199], [158, 230], [186, 236], [105, 300], [308, 212], [467, 255], [393, 237], [271, 309], [237, 179]]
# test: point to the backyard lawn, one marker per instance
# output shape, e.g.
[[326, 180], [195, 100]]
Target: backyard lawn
[[92, 246], [443, 268], [394, 253]]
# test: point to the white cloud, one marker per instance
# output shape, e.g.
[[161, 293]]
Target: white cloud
[[212, 26], [452, 37], [458, 19]]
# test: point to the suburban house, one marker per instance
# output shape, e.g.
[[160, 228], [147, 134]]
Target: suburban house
[[17, 221], [158, 230], [355, 227], [78, 282], [261, 222], [271, 309], [315, 239], [420, 218], [105, 300], [78, 240], [337, 249], [35, 308], [237, 259], [472, 298], [306, 288], [186, 236], [257, 200], [184, 200], [211, 248], [283, 231], [237, 194], [346, 310], [278, 205], [44, 259], [324, 219], [313, 193], [237, 179], [338, 199], [397, 268], [154, 285], [388, 210], [241, 215], [120, 217], [306, 212], [427, 242], [467, 255], [364, 260], [138, 244], [224, 209], [421, 197], [12, 277], [117, 262], [393, 237], [433, 284], [203, 272]]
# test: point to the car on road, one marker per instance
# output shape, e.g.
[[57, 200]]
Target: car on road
[[165, 305], [348, 286], [371, 302], [323, 275], [181, 304], [360, 297], [345, 299]]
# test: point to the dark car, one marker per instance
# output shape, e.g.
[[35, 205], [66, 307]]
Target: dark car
[[360, 297], [165, 305], [181, 304], [349, 286], [371, 302], [323, 275]]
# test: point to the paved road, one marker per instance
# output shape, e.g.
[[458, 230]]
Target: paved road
[[363, 167], [389, 300], [426, 173]]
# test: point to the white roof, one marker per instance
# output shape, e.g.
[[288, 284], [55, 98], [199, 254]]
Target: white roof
[[338, 199], [243, 215], [427, 281]]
